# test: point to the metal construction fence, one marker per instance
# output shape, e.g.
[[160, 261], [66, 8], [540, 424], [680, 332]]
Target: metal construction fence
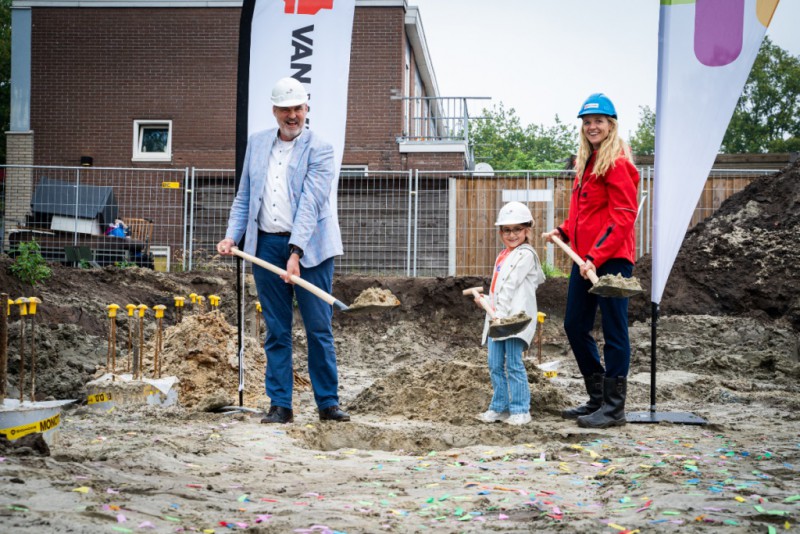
[[407, 223]]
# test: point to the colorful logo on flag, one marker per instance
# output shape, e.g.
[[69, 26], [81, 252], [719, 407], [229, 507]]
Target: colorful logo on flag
[[306, 7], [719, 28]]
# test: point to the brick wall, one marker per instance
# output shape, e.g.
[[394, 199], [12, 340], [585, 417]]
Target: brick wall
[[435, 161], [94, 71], [376, 69]]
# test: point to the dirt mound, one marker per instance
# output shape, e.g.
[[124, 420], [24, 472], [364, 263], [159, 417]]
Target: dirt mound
[[453, 391], [66, 358], [202, 352], [742, 260]]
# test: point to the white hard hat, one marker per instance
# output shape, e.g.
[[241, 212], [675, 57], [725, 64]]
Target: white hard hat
[[288, 92], [514, 213]]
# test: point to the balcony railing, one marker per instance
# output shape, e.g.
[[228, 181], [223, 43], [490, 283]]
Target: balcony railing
[[438, 120]]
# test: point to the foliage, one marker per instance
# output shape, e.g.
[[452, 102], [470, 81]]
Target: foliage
[[29, 265], [767, 116], [124, 264], [551, 271], [5, 74], [643, 140], [502, 141]]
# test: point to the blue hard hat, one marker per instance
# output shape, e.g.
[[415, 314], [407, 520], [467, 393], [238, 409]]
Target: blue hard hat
[[598, 104]]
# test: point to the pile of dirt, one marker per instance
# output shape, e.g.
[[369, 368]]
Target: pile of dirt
[[202, 352], [452, 391], [742, 260]]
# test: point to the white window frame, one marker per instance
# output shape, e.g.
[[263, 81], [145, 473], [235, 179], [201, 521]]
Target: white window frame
[[138, 128], [352, 170]]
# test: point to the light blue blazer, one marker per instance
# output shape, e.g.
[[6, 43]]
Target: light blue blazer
[[310, 175]]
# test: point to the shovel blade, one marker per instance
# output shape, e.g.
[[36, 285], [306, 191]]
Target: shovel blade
[[616, 286], [370, 308], [508, 329], [615, 292]]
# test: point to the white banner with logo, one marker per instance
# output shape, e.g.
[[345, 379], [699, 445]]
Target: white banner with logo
[[310, 41], [706, 50]]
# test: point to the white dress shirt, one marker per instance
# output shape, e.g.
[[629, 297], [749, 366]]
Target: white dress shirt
[[276, 210]]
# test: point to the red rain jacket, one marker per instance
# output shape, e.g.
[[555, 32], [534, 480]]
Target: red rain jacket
[[602, 212]]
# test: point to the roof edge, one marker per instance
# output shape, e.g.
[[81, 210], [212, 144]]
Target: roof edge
[[171, 3]]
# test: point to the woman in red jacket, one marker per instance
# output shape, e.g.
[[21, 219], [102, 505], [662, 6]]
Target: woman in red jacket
[[600, 228]]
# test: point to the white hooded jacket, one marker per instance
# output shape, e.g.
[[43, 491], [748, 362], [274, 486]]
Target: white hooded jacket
[[515, 290]]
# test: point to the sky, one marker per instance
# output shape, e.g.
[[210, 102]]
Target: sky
[[544, 57]]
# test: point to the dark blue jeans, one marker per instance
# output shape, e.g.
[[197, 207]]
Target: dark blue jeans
[[276, 299], [579, 321]]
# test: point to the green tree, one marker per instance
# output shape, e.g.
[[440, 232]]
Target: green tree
[[767, 116], [643, 140], [502, 141], [5, 74]]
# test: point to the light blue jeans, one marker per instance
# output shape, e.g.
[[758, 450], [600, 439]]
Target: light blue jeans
[[509, 378]]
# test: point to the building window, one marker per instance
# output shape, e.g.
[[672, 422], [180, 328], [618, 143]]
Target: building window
[[152, 140], [354, 171]]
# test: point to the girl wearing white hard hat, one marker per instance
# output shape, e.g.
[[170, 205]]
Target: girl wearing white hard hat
[[517, 274]]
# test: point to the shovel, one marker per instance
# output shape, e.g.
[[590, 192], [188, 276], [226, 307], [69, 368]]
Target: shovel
[[499, 327], [607, 285], [330, 299]]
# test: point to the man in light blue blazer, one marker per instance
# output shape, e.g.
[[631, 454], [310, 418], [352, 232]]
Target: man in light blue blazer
[[283, 211]]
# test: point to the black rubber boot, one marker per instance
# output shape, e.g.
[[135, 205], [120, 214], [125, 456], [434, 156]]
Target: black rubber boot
[[612, 412], [594, 387]]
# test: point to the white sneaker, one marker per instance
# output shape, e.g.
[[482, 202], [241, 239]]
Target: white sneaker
[[519, 419], [491, 416]]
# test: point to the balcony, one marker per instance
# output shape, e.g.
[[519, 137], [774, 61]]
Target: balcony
[[438, 124]]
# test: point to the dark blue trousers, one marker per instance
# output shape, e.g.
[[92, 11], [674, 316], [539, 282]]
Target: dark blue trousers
[[276, 297], [579, 321]]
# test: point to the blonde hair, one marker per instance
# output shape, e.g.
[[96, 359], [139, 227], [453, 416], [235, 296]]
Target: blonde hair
[[610, 149]]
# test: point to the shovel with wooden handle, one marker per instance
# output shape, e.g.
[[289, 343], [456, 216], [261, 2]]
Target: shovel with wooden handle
[[607, 285], [311, 288], [499, 327]]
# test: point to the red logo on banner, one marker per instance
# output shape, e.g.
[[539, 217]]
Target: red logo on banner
[[306, 7]]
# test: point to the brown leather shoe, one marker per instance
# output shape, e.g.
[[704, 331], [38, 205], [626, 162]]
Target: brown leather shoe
[[278, 414], [333, 413]]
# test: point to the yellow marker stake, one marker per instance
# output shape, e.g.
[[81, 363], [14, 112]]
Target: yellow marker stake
[[8, 306], [258, 318], [22, 302], [540, 319], [179, 308], [159, 308], [32, 302], [130, 308], [201, 301], [193, 297], [142, 308], [111, 355], [213, 300]]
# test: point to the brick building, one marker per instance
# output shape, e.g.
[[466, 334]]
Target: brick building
[[95, 79]]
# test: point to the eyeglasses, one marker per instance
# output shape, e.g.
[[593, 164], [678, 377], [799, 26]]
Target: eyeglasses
[[510, 231]]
